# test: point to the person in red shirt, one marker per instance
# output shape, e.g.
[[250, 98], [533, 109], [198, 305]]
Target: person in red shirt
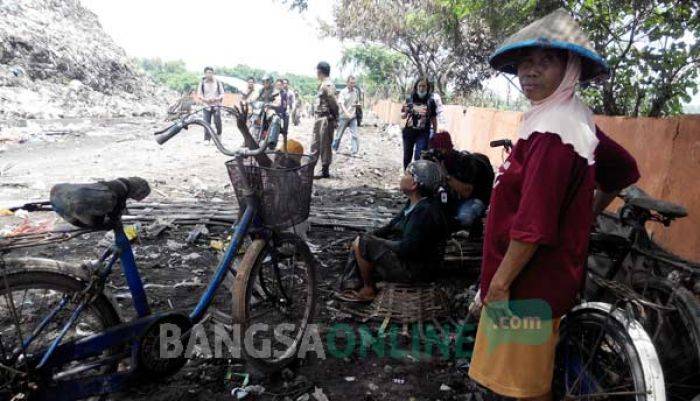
[[542, 207]]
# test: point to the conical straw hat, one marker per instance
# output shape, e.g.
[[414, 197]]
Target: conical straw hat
[[555, 31]]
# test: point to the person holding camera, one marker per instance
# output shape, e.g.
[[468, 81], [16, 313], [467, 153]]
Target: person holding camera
[[469, 177], [420, 112]]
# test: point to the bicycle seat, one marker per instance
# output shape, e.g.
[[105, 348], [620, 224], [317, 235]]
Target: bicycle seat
[[636, 197], [99, 204]]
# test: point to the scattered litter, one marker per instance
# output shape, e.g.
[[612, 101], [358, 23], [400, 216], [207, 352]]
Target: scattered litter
[[22, 214], [350, 378], [28, 226], [191, 256], [372, 386], [303, 397], [244, 392], [174, 245], [107, 240], [216, 245], [160, 225], [132, 231], [445, 387], [198, 231], [196, 282], [399, 381], [319, 395], [462, 365]]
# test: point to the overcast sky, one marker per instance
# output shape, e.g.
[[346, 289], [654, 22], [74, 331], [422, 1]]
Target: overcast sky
[[260, 33]]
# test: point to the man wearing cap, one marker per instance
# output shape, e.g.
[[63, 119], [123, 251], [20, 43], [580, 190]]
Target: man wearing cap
[[469, 177], [541, 209], [326, 112], [406, 249]]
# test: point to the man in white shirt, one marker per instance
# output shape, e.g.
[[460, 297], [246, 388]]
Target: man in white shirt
[[348, 101], [211, 93]]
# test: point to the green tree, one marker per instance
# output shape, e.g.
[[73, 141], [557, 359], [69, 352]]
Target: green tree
[[172, 74], [384, 72], [653, 51], [652, 46], [438, 44]]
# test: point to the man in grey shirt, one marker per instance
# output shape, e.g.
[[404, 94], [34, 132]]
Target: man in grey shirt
[[348, 101], [211, 93]]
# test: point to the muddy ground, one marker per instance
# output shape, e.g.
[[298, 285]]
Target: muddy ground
[[189, 168]]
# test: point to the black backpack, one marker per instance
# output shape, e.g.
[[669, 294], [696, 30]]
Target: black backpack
[[219, 87]]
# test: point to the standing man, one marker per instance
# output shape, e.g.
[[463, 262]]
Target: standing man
[[211, 93], [290, 104], [250, 90], [348, 101], [270, 96], [284, 105], [326, 112]]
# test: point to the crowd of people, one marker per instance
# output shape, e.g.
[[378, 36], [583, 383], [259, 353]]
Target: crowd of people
[[541, 203]]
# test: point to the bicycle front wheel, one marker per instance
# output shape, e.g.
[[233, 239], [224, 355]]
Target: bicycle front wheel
[[274, 298], [604, 355]]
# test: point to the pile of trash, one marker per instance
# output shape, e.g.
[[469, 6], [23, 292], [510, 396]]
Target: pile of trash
[[56, 61]]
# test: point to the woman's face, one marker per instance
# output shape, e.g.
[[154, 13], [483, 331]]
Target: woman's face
[[422, 87], [540, 71]]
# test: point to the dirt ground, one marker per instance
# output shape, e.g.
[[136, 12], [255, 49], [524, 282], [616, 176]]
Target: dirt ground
[[188, 168]]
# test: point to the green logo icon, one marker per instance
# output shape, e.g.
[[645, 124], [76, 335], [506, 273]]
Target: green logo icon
[[527, 321]]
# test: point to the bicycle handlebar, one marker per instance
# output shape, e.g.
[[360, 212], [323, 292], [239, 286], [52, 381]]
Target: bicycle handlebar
[[166, 134], [506, 143]]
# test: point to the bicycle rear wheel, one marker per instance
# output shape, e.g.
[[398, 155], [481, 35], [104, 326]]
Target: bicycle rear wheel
[[30, 289], [274, 299], [602, 354], [675, 331]]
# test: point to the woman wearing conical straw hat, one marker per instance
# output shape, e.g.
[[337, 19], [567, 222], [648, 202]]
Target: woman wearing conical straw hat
[[541, 208]]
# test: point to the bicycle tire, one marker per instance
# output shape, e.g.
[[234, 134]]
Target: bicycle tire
[[688, 308], [626, 336], [248, 280], [46, 274]]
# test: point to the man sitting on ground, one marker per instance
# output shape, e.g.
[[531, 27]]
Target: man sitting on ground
[[469, 177], [405, 249]]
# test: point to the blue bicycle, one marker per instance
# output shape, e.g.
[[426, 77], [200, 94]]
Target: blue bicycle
[[61, 337]]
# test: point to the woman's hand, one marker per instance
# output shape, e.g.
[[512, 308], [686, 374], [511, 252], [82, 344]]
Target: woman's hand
[[496, 302], [497, 293]]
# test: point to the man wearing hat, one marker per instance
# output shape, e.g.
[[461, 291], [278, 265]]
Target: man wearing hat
[[541, 208], [326, 112], [469, 177]]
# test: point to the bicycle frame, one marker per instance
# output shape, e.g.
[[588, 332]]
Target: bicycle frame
[[58, 354]]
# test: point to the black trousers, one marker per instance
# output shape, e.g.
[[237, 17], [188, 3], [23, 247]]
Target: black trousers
[[217, 121], [414, 142]]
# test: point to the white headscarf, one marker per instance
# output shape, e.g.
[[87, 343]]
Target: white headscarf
[[563, 113]]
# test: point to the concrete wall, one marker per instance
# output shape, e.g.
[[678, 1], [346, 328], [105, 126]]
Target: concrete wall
[[667, 152]]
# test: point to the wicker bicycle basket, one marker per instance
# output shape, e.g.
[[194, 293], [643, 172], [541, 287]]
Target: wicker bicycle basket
[[284, 194]]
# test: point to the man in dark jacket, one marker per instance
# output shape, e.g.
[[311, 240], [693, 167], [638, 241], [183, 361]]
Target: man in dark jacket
[[405, 249], [469, 177]]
